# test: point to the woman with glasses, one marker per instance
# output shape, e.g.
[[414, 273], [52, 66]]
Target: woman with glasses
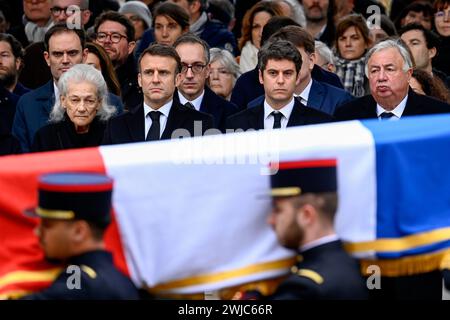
[[223, 72], [79, 115], [442, 25]]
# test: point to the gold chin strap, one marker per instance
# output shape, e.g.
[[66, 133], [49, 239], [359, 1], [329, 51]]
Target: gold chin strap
[[286, 192], [55, 214]]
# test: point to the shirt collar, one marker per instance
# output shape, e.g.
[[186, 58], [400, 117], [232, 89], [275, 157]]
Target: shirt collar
[[285, 111], [305, 93], [398, 110], [165, 109], [196, 102], [319, 242], [55, 90]]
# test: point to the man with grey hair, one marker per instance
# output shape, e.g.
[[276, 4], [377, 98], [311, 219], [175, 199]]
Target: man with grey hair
[[389, 67]]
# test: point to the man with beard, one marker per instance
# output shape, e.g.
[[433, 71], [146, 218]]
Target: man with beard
[[319, 19], [11, 61], [75, 211], [115, 33], [304, 206]]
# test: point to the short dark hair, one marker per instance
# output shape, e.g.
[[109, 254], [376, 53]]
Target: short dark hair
[[298, 36], [116, 17], [431, 38], [203, 3], [97, 230], [16, 46], [326, 203], [192, 38], [352, 20], [273, 25], [419, 6], [172, 11], [279, 50], [161, 50], [60, 28]]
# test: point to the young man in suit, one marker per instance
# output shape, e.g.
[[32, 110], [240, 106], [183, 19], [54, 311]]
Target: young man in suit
[[248, 88], [160, 116], [389, 67], [304, 206], [279, 66], [312, 93], [192, 89]]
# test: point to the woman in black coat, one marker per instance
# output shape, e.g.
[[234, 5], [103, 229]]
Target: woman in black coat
[[79, 116]]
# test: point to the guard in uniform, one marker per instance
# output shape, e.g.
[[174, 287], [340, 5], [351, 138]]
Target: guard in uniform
[[75, 211], [304, 205]]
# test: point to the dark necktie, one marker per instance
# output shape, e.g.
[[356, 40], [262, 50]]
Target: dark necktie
[[155, 128], [189, 105], [386, 115], [277, 119]]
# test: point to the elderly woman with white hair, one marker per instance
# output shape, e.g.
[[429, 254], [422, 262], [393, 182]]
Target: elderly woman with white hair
[[224, 72], [79, 116]]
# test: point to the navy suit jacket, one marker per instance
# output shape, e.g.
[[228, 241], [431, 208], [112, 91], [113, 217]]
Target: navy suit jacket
[[248, 87], [33, 110], [366, 107], [253, 118], [216, 106], [322, 97], [130, 126]]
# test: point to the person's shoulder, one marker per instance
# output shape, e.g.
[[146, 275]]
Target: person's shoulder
[[42, 91], [303, 283]]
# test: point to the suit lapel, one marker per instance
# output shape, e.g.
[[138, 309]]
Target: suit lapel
[[297, 117], [174, 121], [412, 107], [256, 117], [136, 124], [316, 95], [47, 96]]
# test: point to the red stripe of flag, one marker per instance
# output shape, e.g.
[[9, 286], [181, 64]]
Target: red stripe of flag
[[20, 249], [305, 164]]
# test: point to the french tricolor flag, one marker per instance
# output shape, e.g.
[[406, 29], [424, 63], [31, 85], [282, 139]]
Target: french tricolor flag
[[189, 215]]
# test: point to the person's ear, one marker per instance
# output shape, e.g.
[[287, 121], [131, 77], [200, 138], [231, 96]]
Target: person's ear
[[80, 231], [432, 52], [62, 100], [47, 58], [85, 54], [261, 77], [131, 46]]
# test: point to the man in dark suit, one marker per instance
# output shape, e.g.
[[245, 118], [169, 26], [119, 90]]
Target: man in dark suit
[[279, 65], [75, 211], [160, 116], [389, 67], [194, 55], [304, 206], [65, 47], [248, 87], [312, 93]]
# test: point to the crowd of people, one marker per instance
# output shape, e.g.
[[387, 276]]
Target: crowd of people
[[80, 73]]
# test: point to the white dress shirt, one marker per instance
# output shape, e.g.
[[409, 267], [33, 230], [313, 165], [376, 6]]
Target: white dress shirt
[[398, 110], [318, 242], [285, 111], [196, 103], [304, 95], [165, 109]]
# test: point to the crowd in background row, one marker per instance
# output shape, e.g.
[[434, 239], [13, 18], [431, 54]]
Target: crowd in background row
[[117, 32]]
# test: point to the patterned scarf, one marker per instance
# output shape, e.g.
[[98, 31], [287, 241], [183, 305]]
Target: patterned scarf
[[351, 73]]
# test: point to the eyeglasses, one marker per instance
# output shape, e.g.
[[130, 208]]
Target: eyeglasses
[[56, 11], [87, 102], [196, 67], [115, 37]]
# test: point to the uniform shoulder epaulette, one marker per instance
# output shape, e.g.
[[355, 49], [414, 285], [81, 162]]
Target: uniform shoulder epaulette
[[89, 271], [308, 273]]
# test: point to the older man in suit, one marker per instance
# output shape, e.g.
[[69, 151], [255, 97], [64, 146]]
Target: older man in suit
[[279, 65], [160, 116], [312, 93], [192, 89], [389, 67]]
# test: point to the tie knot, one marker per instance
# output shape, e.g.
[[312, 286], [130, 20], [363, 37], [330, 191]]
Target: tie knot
[[189, 105], [386, 115], [154, 115], [277, 115]]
